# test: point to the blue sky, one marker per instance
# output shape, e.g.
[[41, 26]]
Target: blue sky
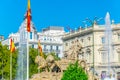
[[55, 13]]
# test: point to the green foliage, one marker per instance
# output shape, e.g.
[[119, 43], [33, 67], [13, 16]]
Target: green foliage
[[5, 62], [74, 72], [33, 66], [54, 55]]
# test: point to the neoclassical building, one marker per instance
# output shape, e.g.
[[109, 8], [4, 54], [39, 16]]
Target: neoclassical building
[[16, 36], [92, 40], [50, 38]]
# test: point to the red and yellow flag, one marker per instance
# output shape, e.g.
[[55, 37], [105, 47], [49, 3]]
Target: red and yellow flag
[[12, 46], [40, 49], [28, 16]]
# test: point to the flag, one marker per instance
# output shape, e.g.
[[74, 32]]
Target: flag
[[12, 46], [28, 16], [40, 49]]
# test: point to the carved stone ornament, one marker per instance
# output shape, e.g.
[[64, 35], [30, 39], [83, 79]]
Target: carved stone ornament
[[118, 50]]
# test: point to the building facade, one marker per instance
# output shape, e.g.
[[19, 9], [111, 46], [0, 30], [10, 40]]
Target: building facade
[[1, 38], [50, 38], [92, 40]]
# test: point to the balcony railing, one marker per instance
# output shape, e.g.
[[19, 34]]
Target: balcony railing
[[47, 51]]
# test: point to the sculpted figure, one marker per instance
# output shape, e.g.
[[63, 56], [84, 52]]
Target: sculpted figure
[[44, 63]]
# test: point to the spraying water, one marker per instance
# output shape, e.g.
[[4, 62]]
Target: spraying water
[[22, 56], [108, 44]]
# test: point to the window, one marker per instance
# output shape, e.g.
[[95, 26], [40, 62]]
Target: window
[[45, 47], [44, 38], [57, 47], [89, 38], [119, 37], [119, 57], [80, 56], [103, 40], [50, 39], [30, 35], [25, 34], [82, 40], [72, 42], [37, 36], [103, 56], [103, 74], [32, 45], [89, 57], [66, 44], [51, 47], [88, 51]]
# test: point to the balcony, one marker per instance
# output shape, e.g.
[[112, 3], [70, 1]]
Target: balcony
[[48, 51]]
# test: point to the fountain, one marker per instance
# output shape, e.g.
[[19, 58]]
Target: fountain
[[108, 47], [22, 56], [57, 68]]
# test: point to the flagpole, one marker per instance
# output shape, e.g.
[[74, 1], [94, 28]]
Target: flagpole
[[38, 55], [27, 55], [11, 66], [28, 31], [2, 67]]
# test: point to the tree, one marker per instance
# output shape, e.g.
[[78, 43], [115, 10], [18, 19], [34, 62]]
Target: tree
[[54, 55], [33, 66], [74, 72], [5, 62]]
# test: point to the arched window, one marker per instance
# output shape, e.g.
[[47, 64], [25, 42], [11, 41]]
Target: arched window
[[80, 55], [88, 53], [103, 40]]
